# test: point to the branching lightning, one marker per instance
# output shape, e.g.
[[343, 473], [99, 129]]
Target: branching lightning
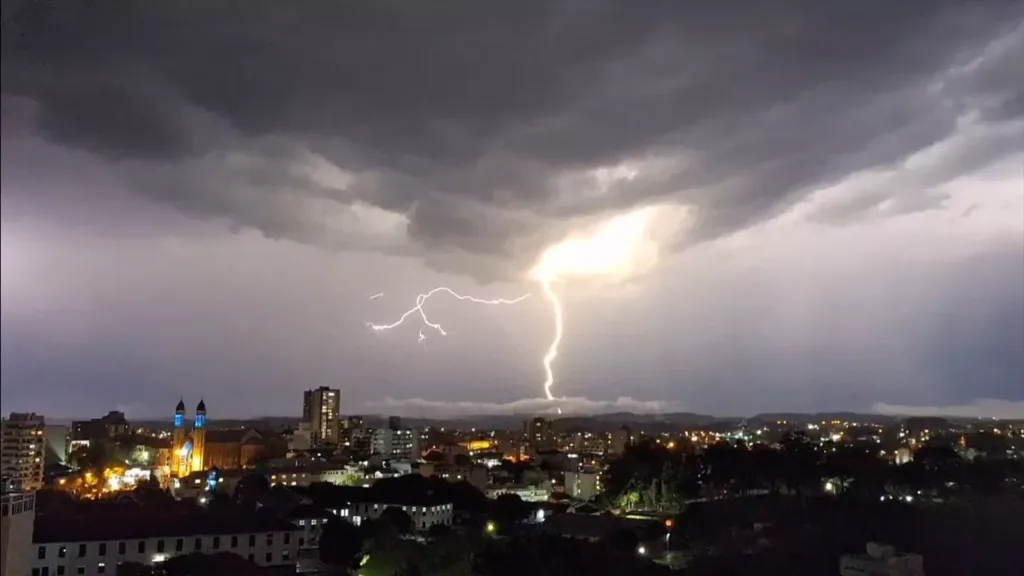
[[614, 250], [422, 299]]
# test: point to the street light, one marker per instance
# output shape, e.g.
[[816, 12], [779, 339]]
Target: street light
[[491, 527]]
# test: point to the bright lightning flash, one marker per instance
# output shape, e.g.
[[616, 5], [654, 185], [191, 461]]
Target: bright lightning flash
[[614, 250], [422, 299]]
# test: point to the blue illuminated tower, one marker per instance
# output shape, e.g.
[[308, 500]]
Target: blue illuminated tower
[[199, 437], [178, 466]]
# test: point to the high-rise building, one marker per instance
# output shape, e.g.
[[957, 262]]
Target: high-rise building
[[17, 518], [396, 443], [620, 439], [539, 434], [320, 408], [22, 449]]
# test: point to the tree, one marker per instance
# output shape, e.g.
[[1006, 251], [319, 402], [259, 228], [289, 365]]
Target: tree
[[398, 519], [508, 510], [438, 531], [341, 544]]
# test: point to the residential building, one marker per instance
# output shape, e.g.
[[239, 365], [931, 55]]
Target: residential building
[[396, 444], [582, 485], [112, 425], [539, 434], [320, 409], [17, 516], [424, 512], [474, 474], [620, 439], [95, 542], [22, 449]]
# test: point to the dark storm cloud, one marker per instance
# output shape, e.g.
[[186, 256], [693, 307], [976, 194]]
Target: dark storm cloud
[[464, 116]]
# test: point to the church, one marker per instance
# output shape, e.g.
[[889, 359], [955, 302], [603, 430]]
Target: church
[[188, 448]]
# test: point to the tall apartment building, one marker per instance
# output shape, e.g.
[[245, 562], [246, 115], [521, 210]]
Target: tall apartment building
[[320, 409], [396, 443], [539, 434], [22, 449]]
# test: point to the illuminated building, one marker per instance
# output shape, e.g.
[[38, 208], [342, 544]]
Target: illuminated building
[[582, 485], [188, 449], [22, 448], [396, 444], [539, 434], [112, 425], [320, 409], [620, 439]]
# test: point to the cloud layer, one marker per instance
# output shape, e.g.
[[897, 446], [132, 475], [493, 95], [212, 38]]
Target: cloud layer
[[475, 135]]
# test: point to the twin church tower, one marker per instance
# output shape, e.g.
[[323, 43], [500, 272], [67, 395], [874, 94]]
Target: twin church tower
[[188, 447]]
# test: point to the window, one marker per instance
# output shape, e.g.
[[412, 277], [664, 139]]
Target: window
[[302, 522], [287, 537], [284, 556], [160, 546], [252, 540], [270, 539], [234, 542], [122, 547], [41, 553], [301, 542], [103, 548], [80, 570], [198, 544], [142, 547], [270, 556], [46, 571], [62, 552], [216, 542], [35, 572], [179, 545], [252, 558], [101, 568], [81, 553], [60, 571]]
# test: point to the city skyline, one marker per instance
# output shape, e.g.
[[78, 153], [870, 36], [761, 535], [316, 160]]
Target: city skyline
[[202, 207]]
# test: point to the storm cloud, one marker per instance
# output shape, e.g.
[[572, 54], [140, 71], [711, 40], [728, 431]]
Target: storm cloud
[[461, 139]]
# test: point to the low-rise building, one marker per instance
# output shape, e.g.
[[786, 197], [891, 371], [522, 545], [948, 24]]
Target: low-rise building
[[881, 560], [476, 475], [424, 512], [17, 516], [94, 540], [582, 485]]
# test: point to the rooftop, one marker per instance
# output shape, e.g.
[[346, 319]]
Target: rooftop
[[132, 522]]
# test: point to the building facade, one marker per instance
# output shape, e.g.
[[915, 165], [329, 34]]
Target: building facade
[[22, 449], [188, 448], [320, 409], [17, 517], [95, 546], [582, 485], [396, 444]]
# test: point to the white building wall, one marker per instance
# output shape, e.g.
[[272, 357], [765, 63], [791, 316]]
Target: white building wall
[[423, 517], [102, 557], [16, 526]]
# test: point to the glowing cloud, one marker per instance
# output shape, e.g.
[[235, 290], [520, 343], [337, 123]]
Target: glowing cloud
[[622, 247]]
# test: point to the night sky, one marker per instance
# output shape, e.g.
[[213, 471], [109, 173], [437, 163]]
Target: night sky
[[199, 200]]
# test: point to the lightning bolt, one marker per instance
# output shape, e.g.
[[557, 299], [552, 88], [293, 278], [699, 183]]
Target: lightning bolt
[[422, 299], [552, 353], [377, 295]]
